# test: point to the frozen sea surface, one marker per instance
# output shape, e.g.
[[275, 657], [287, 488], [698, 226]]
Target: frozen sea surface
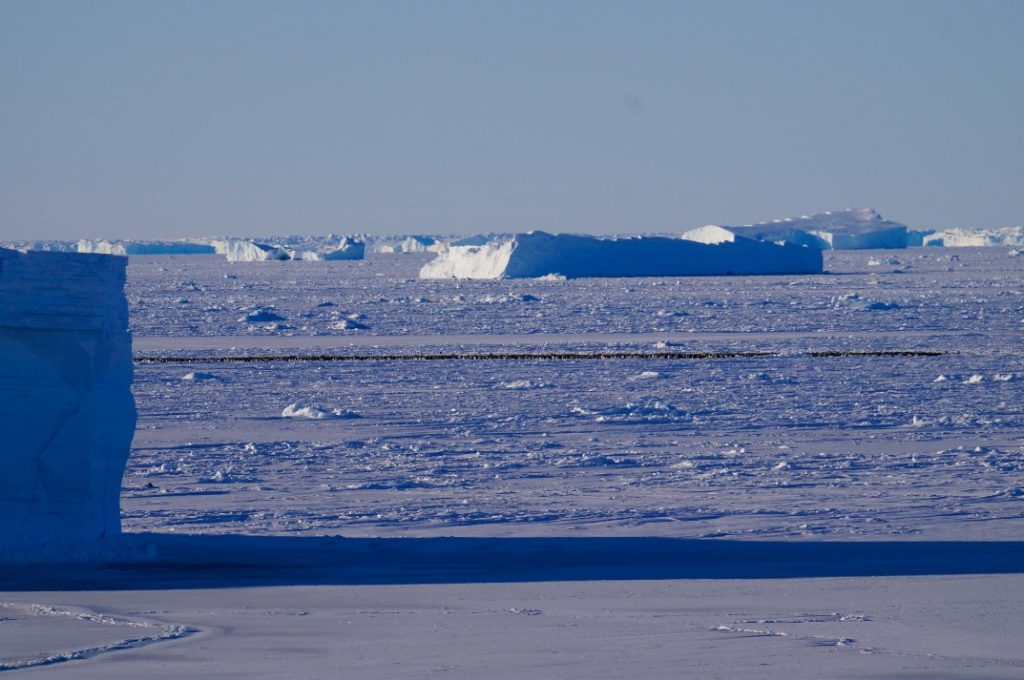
[[790, 445], [779, 508], [919, 289]]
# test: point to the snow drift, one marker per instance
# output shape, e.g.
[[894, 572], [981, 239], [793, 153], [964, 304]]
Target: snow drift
[[66, 407], [710, 251], [840, 230]]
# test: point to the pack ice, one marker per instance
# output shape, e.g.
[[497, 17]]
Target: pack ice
[[66, 409], [708, 251], [853, 229]]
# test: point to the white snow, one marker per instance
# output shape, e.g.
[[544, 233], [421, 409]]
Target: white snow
[[66, 409], [537, 254]]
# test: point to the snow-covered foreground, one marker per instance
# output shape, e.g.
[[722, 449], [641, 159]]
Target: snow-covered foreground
[[936, 627], [830, 465]]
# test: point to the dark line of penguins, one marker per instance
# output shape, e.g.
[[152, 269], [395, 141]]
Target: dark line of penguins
[[537, 356]]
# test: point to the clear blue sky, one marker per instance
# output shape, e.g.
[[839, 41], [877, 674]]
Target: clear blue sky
[[176, 118]]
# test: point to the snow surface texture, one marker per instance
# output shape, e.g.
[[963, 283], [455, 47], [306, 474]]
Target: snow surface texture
[[854, 229], [574, 519], [783, 447], [67, 413], [536, 254], [244, 250]]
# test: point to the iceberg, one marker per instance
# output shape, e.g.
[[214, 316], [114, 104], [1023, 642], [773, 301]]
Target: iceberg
[[67, 412], [346, 249], [411, 244], [710, 251], [247, 250], [853, 229], [144, 247], [961, 238]]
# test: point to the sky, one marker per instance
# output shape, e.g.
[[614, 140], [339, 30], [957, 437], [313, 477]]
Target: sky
[[174, 119]]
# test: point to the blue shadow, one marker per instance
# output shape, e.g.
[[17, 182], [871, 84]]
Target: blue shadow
[[211, 561]]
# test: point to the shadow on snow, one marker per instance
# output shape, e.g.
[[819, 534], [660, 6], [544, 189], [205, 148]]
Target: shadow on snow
[[220, 561]]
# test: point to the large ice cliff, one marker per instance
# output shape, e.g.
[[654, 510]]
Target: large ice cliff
[[67, 415], [710, 251]]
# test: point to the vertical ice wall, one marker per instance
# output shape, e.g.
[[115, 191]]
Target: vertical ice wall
[[67, 415]]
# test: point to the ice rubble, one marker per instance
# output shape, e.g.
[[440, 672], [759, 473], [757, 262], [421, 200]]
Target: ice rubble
[[144, 247], [299, 410], [67, 413], [247, 250], [709, 251], [852, 229]]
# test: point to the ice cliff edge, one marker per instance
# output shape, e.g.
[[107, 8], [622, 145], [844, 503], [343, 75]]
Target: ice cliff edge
[[67, 414], [710, 251]]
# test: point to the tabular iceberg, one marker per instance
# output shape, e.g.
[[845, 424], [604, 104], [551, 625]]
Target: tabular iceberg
[[856, 229], [66, 409], [145, 247], [710, 251]]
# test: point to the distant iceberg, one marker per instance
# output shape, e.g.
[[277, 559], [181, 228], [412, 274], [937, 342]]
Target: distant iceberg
[[411, 244], [132, 247], [346, 249], [960, 238], [707, 252], [853, 229], [247, 250], [66, 407]]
